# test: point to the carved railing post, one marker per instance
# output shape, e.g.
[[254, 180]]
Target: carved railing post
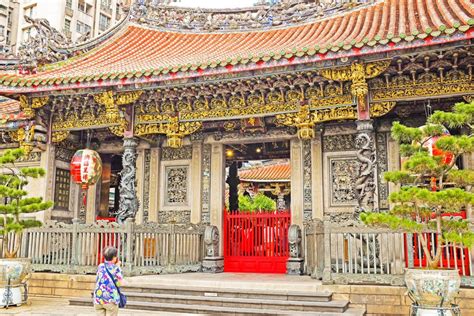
[[318, 255], [327, 277], [128, 192], [212, 263], [75, 245], [129, 234], [295, 264]]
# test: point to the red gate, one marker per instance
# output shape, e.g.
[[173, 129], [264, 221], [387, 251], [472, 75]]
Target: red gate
[[256, 242]]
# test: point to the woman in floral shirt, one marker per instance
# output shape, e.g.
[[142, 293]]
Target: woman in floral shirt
[[106, 296]]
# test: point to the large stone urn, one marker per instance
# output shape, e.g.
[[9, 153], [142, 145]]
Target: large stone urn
[[433, 289], [14, 273]]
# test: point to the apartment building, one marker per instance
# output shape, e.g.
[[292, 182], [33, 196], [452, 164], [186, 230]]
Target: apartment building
[[8, 24], [74, 18]]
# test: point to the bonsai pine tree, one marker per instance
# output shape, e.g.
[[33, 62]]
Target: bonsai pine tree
[[15, 200], [431, 185]]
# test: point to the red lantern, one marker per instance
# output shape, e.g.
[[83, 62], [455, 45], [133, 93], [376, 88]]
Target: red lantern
[[86, 167], [430, 144]]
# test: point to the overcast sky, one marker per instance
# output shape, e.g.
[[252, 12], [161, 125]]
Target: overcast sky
[[215, 3]]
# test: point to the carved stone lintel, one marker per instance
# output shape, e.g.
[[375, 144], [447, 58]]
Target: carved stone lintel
[[128, 193]]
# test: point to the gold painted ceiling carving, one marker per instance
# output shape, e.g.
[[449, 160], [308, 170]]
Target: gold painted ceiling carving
[[431, 74], [249, 98]]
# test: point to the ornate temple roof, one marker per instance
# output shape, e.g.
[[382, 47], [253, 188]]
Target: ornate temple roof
[[269, 173], [142, 51]]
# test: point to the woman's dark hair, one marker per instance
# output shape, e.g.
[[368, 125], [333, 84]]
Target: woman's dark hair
[[110, 253]]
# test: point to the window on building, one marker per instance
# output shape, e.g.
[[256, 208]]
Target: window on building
[[69, 4], [26, 33], [67, 25], [82, 27], [2, 30], [30, 11], [104, 22], [61, 194], [84, 7]]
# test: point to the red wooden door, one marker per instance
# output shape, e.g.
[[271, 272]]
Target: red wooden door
[[256, 242]]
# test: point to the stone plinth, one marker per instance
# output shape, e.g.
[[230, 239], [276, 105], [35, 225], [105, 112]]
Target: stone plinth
[[213, 265], [295, 266]]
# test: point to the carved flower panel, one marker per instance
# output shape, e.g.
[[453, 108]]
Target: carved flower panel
[[343, 176], [176, 185]]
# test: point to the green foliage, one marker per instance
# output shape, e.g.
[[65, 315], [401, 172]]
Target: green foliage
[[12, 193], [260, 202], [417, 207]]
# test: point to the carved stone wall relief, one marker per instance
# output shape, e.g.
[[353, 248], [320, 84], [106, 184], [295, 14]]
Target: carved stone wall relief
[[146, 186], [343, 175], [176, 185], [174, 216], [206, 182], [341, 143], [307, 193], [382, 166], [184, 152]]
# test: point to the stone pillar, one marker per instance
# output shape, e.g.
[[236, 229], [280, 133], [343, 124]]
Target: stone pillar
[[196, 173], [317, 176], [217, 189], [140, 176], [366, 183], [128, 206], [154, 184], [48, 163], [297, 199], [91, 203], [393, 162]]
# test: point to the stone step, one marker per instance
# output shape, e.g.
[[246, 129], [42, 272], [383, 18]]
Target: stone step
[[220, 310], [337, 306], [275, 294]]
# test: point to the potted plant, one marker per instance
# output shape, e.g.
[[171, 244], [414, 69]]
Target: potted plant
[[14, 203], [432, 192]]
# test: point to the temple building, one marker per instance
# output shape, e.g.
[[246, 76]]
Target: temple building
[[167, 92]]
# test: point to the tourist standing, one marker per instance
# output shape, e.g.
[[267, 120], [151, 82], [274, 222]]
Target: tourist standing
[[107, 296]]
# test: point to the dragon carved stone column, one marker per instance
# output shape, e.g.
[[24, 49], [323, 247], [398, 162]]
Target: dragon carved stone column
[[128, 205], [366, 183]]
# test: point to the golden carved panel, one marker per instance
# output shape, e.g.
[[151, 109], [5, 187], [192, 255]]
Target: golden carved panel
[[381, 108]]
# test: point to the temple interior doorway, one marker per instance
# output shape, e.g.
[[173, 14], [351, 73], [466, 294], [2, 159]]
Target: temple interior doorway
[[108, 192], [257, 211]]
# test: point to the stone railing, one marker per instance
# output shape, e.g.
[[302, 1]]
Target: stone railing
[[143, 249], [364, 255]]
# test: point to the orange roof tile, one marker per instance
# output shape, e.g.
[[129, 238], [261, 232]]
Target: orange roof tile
[[279, 172], [140, 54], [9, 106]]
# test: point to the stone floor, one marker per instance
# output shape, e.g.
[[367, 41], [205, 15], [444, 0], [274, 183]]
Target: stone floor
[[234, 280], [42, 306]]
